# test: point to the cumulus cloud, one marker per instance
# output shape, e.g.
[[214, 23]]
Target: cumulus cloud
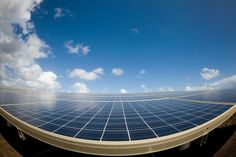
[[80, 87], [196, 88], [135, 30], [20, 48], [60, 12], [123, 91], [166, 89], [82, 74], [208, 74], [78, 48], [117, 71], [228, 82]]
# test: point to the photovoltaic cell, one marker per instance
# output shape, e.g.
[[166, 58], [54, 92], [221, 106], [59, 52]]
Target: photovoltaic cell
[[226, 95], [115, 117], [112, 135], [67, 131], [90, 134]]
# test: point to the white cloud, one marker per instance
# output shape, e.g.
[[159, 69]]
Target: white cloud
[[16, 12], [117, 71], [123, 91], [196, 88], [166, 89], [21, 49], [208, 74], [142, 72], [60, 12], [228, 82], [78, 48], [82, 74], [145, 89], [135, 30], [80, 87]]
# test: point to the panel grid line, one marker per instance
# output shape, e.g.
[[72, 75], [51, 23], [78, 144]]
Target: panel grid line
[[178, 117], [189, 109], [126, 126], [121, 118], [90, 120], [76, 117], [62, 115], [144, 121], [33, 118], [106, 122], [160, 118]]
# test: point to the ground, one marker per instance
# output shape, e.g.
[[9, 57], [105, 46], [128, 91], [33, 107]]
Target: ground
[[221, 143]]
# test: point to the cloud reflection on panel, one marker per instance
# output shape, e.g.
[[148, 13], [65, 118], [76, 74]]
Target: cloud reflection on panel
[[47, 98]]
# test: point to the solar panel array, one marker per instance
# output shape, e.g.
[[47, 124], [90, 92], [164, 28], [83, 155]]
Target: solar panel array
[[227, 95], [111, 117]]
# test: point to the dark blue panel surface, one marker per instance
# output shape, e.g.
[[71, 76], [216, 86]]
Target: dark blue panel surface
[[116, 126], [115, 136], [36, 122], [59, 121], [141, 134], [116, 117], [183, 126], [198, 121], [226, 95], [166, 130], [90, 134], [76, 124], [95, 126], [49, 127], [67, 131]]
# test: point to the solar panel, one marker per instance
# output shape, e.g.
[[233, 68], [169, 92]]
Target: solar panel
[[225, 95], [112, 118]]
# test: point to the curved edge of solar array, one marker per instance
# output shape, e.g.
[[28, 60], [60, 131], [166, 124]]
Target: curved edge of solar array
[[119, 148]]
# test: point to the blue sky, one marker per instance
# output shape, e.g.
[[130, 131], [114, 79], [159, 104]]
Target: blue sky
[[171, 42]]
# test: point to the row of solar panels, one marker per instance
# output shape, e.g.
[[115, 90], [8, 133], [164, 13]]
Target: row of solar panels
[[117, 124], [116, 120], [9, 97]]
